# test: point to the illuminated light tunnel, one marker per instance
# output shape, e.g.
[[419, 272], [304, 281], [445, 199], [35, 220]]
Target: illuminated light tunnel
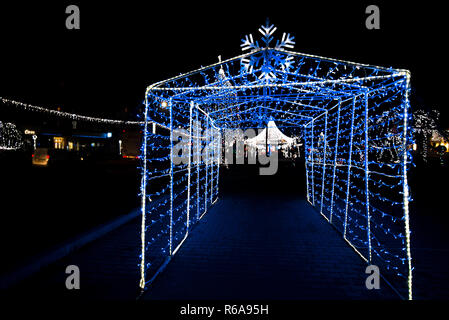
[[353, 120]]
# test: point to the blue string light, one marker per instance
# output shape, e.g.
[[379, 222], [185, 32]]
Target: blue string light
[[354, 122]]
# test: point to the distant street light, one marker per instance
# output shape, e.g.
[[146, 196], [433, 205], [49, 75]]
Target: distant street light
[[34, 141]]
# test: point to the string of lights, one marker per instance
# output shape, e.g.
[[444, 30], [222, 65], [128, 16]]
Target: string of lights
[[354, 122], [67, 115]]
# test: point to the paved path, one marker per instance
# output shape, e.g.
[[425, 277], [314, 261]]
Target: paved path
[[260, 241], [252, 247], [108, 269]]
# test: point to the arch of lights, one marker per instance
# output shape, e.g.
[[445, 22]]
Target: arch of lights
[[353, 119]]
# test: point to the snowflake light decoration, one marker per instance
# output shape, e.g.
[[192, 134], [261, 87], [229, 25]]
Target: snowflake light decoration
[[270, 60]]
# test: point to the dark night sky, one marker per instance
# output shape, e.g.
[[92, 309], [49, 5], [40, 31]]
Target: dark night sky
[[124, 46]]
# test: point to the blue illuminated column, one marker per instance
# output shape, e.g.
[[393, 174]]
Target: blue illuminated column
[[143, 190], [313, 183], [348, 181], [405, 190], [335, 161], [306, 165], [206, 151], [210, 153], [218, 159], [324, 164], [198, 160], [367, 178], [189, 165], [170, 104]]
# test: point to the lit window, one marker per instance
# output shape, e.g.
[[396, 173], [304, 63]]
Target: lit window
[[58, 142]]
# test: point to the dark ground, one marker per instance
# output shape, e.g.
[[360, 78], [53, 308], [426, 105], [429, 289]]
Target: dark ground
[[260, 241], [263, 241], [43, 207], [429, 218]]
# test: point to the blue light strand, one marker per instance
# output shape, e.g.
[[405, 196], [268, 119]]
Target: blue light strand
[[351, 117]]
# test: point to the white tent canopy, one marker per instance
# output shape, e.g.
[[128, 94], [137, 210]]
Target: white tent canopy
[[275, 136]]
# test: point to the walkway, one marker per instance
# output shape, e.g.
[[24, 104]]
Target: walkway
[[263, 241], [260, 241]]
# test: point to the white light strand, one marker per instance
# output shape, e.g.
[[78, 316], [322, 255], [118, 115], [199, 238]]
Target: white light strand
[[67, 115]]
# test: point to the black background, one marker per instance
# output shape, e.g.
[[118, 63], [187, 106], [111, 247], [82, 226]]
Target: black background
[[124, 46]]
